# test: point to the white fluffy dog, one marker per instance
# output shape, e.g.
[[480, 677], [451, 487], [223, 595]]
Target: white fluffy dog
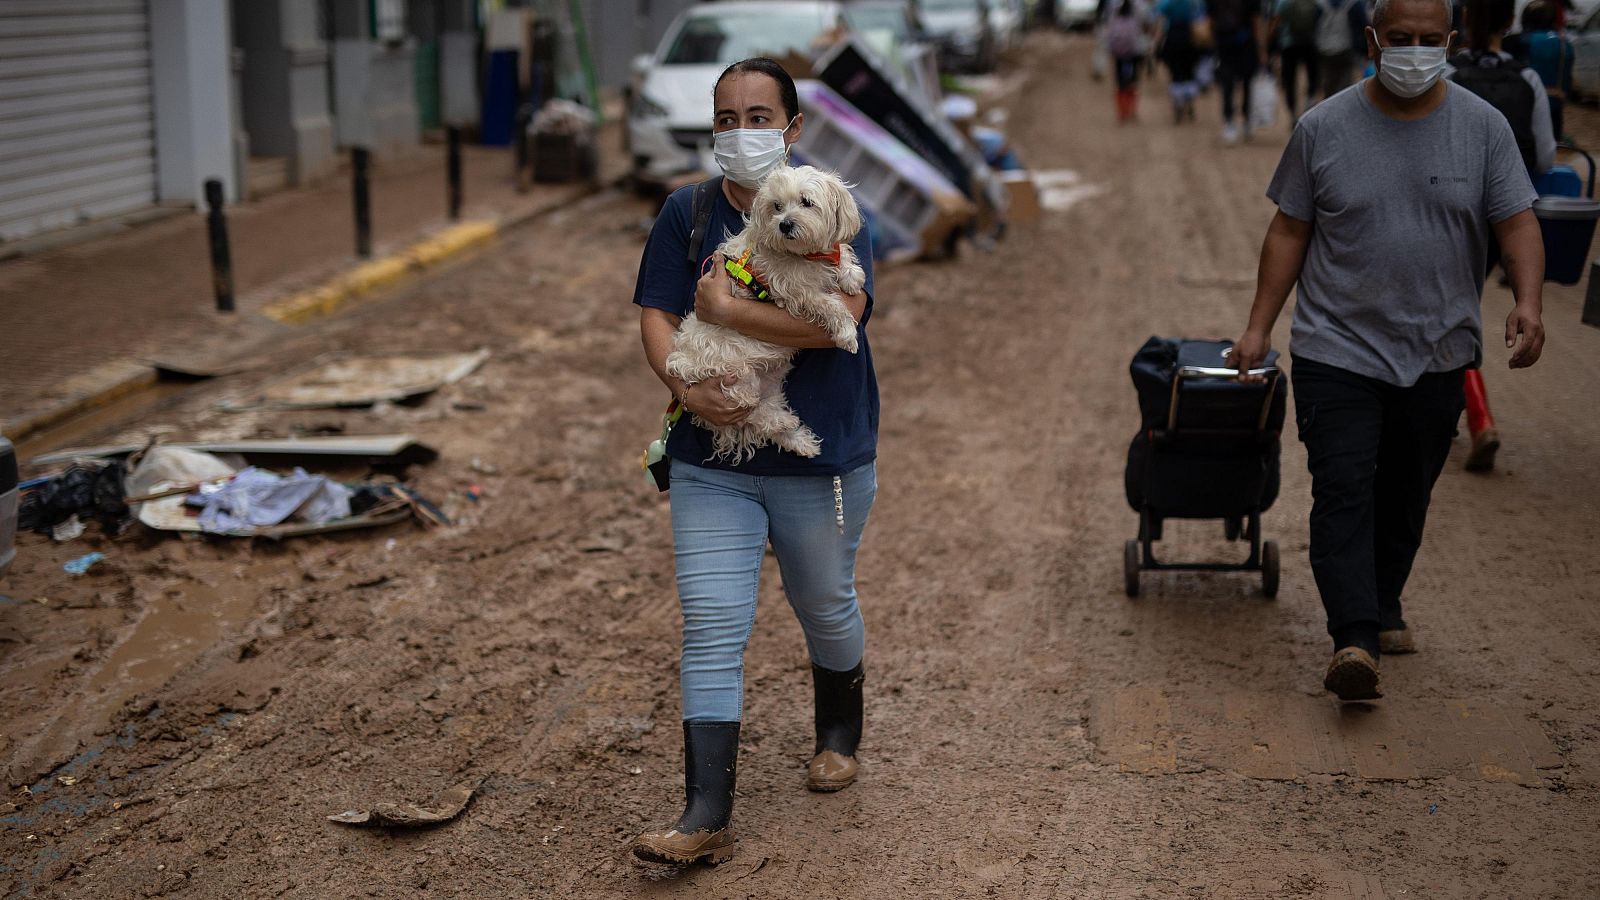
[[800, 218]]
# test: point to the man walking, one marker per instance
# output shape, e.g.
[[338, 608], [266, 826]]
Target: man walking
[[1387, 196]]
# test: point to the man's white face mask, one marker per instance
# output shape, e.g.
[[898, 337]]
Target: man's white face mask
[[1409, 71], [748, 155]]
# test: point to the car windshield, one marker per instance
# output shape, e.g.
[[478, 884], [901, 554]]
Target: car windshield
[[950, 5], [878, 18], [728, 38]]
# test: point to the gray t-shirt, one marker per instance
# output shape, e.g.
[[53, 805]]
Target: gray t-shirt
[[1401, 215]]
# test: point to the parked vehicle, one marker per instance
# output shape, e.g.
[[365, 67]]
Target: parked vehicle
[[963, 32], [1076, 14], [8, 504], [1006, 18], [669, 103], [898, 18]]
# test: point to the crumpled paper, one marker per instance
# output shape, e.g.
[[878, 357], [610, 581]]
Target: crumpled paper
[[407, 815]]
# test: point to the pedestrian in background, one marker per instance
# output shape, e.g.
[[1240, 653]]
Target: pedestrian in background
[[1340, 31], [1387, 197], [812, 510], [1549, 53], [1294, 26], [1127, 39], [1517, 91], [1237, 31], [1175, 40]]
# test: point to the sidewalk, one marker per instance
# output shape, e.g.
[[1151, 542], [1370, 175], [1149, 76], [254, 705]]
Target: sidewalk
[[76, 318]]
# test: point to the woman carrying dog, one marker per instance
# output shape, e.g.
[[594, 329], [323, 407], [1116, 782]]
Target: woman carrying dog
[[812, 510]]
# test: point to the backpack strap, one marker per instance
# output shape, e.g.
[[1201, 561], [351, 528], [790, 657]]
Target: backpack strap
[[705, 198]]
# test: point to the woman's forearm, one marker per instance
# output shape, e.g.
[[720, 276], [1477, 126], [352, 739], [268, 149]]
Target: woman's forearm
[[766, 322], [656, 328]]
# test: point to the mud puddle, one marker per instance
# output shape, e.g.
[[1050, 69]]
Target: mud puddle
[[179, 622]]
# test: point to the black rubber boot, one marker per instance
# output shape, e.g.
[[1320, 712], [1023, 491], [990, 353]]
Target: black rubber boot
[[710, 768], [839, 713]]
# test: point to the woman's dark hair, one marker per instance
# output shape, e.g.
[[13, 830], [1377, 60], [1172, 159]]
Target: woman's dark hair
[[1538, 16], [760, 65], [1487, 18]]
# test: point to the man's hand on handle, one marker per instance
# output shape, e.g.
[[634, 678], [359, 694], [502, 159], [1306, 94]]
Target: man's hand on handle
[[1249, 352]]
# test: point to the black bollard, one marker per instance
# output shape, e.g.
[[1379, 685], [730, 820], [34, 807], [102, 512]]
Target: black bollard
[[519, 146], [453, 170], [221, 259], [358, 166]]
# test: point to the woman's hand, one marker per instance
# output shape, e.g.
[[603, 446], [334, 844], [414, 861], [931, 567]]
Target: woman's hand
[[714, 301], [711, 403]]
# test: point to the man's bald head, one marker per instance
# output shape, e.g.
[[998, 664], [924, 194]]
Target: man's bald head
[[1384, 10]]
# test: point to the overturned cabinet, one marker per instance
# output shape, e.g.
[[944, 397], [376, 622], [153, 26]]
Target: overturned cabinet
[[912, 208]]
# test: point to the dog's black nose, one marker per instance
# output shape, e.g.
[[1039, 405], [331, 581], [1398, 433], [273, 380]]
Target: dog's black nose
[[786, 228]]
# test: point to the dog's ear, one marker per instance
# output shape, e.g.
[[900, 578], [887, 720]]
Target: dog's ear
[[846, 213]]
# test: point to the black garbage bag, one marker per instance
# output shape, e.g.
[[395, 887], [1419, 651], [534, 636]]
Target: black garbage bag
[[88, 489]]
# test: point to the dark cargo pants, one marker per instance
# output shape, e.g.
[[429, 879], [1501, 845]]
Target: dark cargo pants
[[1374, 451]]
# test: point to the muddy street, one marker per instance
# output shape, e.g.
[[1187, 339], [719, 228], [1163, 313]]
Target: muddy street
[[184, 718]]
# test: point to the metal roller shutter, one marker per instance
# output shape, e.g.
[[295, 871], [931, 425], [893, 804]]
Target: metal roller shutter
[[76, 113]]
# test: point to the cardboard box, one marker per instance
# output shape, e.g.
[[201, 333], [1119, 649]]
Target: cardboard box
[[1022, 196]]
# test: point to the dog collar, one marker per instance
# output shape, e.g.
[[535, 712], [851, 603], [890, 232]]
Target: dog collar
[[832, 257], [745, 274]]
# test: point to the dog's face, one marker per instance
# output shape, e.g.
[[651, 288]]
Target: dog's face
[[803, 210]]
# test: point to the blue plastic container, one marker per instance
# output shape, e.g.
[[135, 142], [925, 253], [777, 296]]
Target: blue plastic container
[[1560, 181], [1567, 224]]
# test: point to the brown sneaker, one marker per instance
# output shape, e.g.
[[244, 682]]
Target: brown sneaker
[[830, 771], [1353, 675], [1396, 641], [673, 847], [1484, 446]]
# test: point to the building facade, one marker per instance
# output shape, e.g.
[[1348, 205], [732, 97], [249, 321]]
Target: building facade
[[109, 107]]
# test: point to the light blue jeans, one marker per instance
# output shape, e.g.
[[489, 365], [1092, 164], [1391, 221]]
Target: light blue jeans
[[721, 522]]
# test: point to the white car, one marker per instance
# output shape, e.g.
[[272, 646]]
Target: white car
[[963, 32], [669, 104], [1076, 14], [1005, 20]]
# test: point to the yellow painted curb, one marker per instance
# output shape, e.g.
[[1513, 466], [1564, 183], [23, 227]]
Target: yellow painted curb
[[380, 273]]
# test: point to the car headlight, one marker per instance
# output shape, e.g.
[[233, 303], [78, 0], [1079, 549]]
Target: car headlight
[[646, 108]]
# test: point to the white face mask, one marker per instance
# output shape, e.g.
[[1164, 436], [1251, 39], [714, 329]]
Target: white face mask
[[1409, 71], [748, 155]]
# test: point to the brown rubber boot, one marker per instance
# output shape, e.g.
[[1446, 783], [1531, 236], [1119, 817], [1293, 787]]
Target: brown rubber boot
[[703, 832], [1353, 675], [838, 719]]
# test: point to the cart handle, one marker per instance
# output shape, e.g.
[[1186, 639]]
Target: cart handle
[[1271, 372], [1219, 372], [1570, 148]]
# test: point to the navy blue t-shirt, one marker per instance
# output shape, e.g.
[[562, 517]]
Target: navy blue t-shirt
[[833, 391]]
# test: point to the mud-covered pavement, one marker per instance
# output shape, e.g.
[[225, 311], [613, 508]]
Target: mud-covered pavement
[[187, 716]]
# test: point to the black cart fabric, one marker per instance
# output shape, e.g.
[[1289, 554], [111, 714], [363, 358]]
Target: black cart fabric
[[1192, 471]]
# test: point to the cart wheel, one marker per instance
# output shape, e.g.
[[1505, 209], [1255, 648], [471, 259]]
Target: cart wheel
[[1130, 568], [1231, 528], [1269, 569]]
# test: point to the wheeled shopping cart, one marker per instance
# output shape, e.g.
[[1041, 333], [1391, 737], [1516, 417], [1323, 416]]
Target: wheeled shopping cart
[[1208, 448]]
